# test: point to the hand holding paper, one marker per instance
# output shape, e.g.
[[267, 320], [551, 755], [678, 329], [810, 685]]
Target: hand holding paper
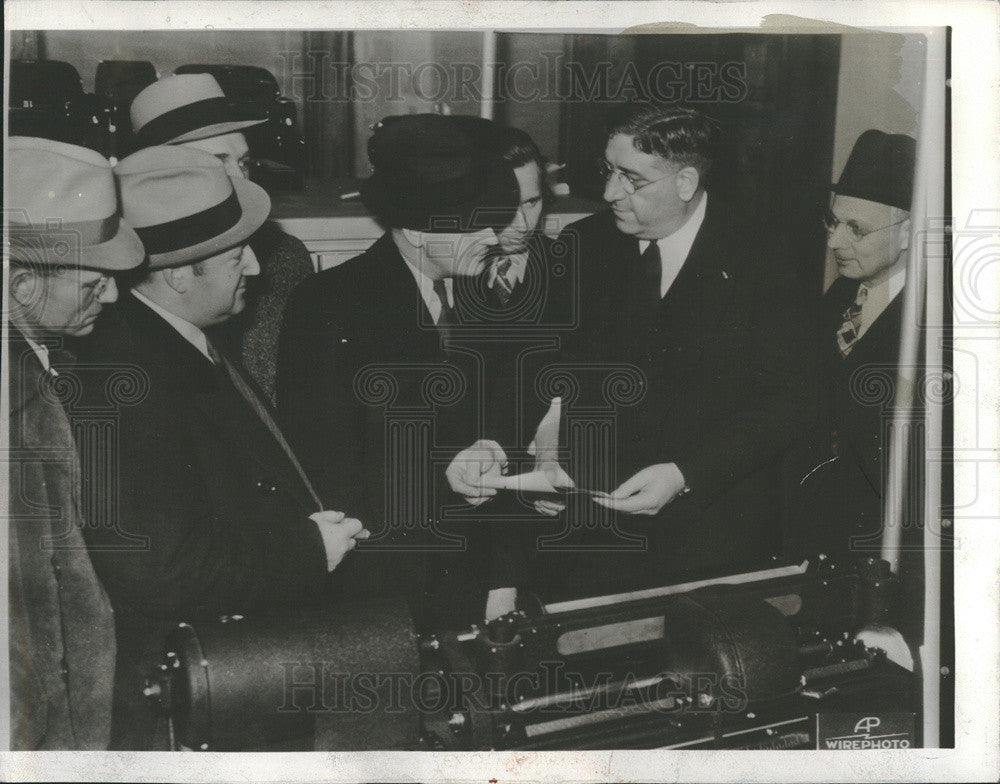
[[647, 491], [474, 470]]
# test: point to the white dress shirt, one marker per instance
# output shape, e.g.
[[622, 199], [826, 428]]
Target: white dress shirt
[[42, 352], [187, 330], [427, 293], [674, 248], [880, 295]]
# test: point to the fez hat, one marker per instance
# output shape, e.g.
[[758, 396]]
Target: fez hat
[[431, 175], [185, 108], [63, 208], [185, 207], [880, 168]]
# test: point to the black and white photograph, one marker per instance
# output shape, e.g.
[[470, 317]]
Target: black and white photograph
[[468, 381]]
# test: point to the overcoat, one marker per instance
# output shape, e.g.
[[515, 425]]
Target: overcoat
[[62, 640]]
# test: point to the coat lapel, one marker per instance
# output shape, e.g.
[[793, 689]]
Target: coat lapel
[[220, 407], [703, 287]]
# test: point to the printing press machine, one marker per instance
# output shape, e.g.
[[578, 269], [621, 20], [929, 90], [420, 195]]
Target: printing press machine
[[740, 662]]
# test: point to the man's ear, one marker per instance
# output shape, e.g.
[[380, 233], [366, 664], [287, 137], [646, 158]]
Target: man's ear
[[687, 180], [415, 238], [26, 286], [904, 234], [178, 278]]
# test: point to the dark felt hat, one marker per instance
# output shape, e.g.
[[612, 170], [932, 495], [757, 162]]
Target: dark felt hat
[[431, 174], [880, 168]]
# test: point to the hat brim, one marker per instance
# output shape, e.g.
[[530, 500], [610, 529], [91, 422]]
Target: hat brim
[[122, 252], [255, 205], [217, 129]]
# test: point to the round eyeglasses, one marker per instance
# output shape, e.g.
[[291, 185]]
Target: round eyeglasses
[[832, 222], [629, 183]]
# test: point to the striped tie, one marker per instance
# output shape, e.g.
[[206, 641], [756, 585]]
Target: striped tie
[[503, 287]]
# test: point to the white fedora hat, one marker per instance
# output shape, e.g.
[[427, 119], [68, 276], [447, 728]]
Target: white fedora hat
[[63, 208], [184, 108], [185, 207]]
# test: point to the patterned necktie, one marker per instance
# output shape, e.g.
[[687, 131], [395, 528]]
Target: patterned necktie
[[263, 413], [502, 286], [850, 330], [652, 270]]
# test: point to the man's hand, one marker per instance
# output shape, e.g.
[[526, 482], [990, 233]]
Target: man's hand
[[340, 535], [648, 491], [471, 466]]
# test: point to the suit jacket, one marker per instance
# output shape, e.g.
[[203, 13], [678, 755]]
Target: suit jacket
[[719, 377], [845, 496], [209, 518], [517, 338], [62, 642], [376, 407]]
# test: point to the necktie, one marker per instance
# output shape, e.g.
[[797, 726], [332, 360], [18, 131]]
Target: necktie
[[447, 317], [501, 284], [263, 413], [850, 330], [651, 270]]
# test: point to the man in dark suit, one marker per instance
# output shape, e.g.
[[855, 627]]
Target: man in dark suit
[[868, 223], [214, 513], [691, 368], [66, 240], [376, 391], [191, 110], [521, 303]]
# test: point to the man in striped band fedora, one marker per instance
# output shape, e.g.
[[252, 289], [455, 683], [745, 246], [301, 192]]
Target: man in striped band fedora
[[191, 110], [226, 519], [66, 240]]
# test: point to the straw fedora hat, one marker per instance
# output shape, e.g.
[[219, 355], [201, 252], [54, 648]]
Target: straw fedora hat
[[63, 208], [185, 207], [184, 108]]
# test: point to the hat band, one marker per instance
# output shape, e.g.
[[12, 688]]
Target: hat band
[[191, 230], [92, 232], [183, 119]]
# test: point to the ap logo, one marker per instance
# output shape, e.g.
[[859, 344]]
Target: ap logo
[[866, 725]]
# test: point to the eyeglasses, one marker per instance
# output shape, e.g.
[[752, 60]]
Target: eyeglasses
[[629, 183], [831, 222]]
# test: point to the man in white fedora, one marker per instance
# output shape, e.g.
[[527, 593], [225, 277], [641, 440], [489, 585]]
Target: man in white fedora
[[191, 110], [229, 520], [66, 240]]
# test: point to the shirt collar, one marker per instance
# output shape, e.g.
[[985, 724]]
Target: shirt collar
[[187, 330], [881, 294], [426, 286], [42, 352], [674, 248], [516, 272]]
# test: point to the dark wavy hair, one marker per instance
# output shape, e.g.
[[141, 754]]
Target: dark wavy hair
[[518, 149], [682, 136]]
